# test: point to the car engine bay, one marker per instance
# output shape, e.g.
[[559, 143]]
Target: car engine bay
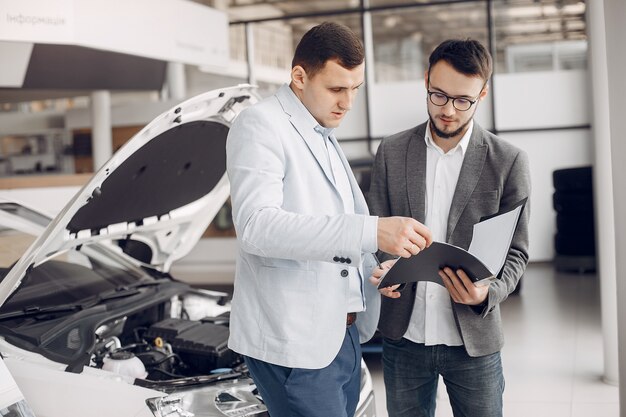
[[172, 348]]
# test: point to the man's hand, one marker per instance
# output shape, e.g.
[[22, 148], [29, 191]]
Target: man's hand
[[377, 275], [461, 288], [402, 236]]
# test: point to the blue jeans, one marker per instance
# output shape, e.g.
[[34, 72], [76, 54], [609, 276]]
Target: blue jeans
[[332, 391], [411, 372]]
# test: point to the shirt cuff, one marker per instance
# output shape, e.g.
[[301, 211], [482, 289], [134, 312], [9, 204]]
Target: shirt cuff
[[369, 240]]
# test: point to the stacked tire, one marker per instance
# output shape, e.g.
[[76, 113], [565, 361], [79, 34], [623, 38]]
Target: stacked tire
[[574, 242]]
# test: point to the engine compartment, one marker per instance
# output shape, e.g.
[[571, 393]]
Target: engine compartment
[[155, 346], [151, 328]]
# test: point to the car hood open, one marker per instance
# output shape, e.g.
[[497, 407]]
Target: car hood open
[[162, 188]]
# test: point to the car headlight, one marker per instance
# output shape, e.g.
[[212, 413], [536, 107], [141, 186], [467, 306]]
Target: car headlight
[[238, 398], [171, 406]]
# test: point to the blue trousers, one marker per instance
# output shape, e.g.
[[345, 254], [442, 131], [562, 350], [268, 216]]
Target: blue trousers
[[411, 372], [332, 391]]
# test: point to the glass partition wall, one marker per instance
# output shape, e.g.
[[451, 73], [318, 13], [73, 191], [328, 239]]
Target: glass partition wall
[[404, 38], [523, 36]]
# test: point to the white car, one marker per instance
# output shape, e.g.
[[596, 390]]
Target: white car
[[91, 322]]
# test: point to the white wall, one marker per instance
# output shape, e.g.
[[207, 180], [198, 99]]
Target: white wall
[[212, 261], [30, 123], [538, 100], [548, 151], [354, 125], [542, 100], [18, 54], [401, 105]]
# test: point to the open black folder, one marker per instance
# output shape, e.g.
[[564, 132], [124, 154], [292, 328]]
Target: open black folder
[[482, 262]]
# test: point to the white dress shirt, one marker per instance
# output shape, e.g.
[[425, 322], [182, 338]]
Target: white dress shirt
[[356, 300], [432, 320]]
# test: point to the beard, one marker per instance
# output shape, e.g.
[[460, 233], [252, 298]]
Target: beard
[[447, 135]]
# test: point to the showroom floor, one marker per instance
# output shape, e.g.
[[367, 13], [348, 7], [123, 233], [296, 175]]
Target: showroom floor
[[553, 349], [552, 356]]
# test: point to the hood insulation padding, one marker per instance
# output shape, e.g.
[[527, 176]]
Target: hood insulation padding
[[174, 169]]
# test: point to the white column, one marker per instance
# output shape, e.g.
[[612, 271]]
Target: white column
[[176, 81], [370, 67], [614, 12], [250, 53], [101, 139], [603, 186]]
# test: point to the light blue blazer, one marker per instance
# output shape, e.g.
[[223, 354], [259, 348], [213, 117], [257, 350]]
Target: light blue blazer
[[291, 294]]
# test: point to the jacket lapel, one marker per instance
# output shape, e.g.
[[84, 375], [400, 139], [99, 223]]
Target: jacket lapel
[[468, 177], [360, 206], [416, 173], [305, 128]]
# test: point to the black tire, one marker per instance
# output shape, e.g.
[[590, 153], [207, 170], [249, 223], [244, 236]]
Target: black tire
[[573, 179], [573, 202], [575, 223], [571, 244]]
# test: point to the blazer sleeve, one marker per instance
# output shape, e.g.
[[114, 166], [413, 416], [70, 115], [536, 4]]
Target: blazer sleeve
[[378, 197], [516, 188], [256, 166]]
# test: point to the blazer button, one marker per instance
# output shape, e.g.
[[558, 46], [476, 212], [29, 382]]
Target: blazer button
[[344, 273], [342, 260], [336, 259], [348, 261]]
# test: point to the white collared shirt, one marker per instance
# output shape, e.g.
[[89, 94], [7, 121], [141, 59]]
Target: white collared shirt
[[432, 320], [356, 300]]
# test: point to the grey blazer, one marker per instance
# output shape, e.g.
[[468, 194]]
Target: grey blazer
[[494, 175]]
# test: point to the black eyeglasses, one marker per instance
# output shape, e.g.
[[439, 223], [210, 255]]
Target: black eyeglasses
[[459, 103]]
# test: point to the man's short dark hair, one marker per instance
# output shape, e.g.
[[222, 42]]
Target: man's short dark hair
[[467, 56], [327, 42]]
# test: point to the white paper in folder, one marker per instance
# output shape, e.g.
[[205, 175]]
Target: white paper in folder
[[491, 241], [491, 238]]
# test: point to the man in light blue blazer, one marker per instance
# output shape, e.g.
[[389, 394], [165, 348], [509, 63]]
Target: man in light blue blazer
[[306, 237]]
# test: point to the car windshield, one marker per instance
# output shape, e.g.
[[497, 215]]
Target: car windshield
[[66, 278]]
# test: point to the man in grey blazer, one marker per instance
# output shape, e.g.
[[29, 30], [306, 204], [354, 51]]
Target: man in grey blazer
[[306, 237], [448, 173]]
